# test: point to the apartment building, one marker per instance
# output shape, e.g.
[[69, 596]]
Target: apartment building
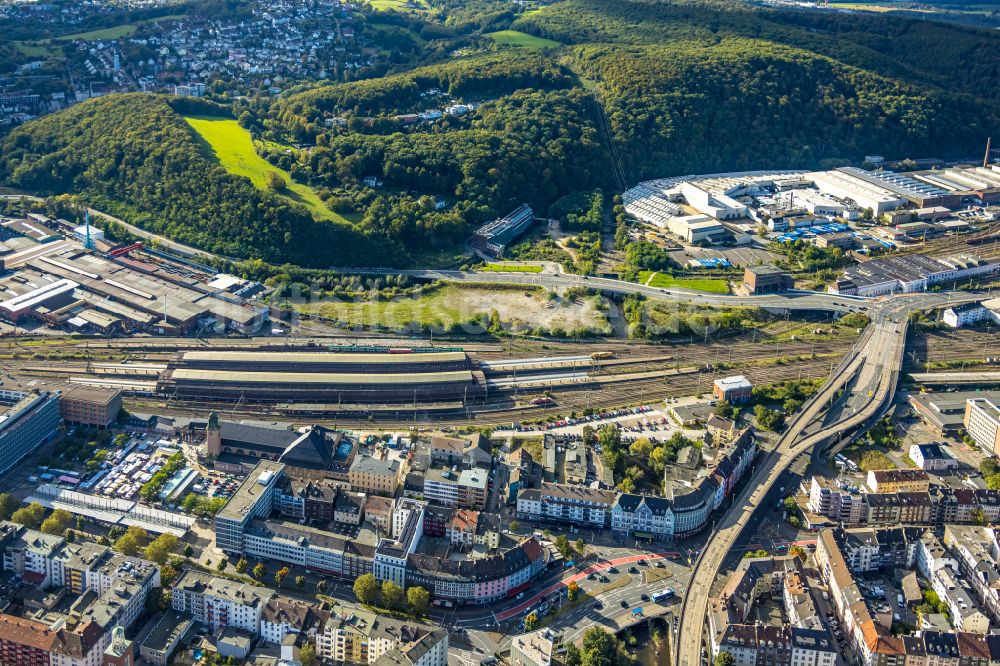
[[353, 634], [107, 589], [220, 603], [560, 503], [976, 553], [642, 517], [533, 649], [374, 475], [898, 480], [966, 615], [982, 423], [454, 487]]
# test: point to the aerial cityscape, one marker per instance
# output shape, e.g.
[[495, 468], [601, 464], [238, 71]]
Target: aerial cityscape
[[499, 333]]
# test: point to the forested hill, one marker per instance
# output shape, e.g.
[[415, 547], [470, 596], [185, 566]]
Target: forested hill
[[634, 89], [133, 156]]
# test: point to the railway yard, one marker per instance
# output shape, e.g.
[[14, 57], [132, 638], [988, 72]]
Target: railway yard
[[498, 381]]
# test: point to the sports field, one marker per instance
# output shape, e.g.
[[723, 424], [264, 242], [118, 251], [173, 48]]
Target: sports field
[[662, 281], [521, 39], [233, 147]]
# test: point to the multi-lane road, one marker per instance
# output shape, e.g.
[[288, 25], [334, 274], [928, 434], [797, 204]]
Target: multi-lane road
[[793, 300], [868, 376]]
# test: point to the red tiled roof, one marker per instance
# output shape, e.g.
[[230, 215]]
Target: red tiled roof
[[26, 632]]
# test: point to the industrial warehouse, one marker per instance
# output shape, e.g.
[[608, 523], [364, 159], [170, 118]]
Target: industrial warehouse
[[61, 283], [849, 208]]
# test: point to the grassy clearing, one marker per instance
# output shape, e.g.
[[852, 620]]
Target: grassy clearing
[[38, 50], [233, 147], [457, 307], [438, 258], [116, 31], [516, 39], [511, 268], [399, 5], [661, 281], [417, 38]]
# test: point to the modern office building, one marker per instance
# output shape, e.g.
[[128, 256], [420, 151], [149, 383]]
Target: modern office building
[[253, 499], [26, 425]]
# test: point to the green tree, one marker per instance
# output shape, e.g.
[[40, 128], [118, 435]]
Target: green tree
[[241, 565], [366, 589], [276, 182], [572, 591], [8, 505], [307, 654], [321, 585], [724, 659], [57, 522], [279, 576], [641, 447], [392, 594], [30, 516], [70, 536], [188, 550], [987, 467], [223, 563], [161, 547], [581, 547], [601, 648], [300, 581], [132, 542], [259, 571], [531, 621], [514, 526], [562, 545], [418, 599]]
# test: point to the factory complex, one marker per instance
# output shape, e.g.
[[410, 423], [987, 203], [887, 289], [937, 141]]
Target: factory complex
[[848, 207], [95, 287]]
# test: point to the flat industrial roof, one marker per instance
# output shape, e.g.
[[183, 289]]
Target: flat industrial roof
[[322, 357], [334, 378]]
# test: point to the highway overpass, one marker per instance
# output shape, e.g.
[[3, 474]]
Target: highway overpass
[[868, 374]]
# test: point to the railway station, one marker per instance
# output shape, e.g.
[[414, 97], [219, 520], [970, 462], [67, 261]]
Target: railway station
[[323, 377]]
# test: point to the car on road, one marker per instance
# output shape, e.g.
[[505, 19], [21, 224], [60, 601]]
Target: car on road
[[624, 604], [660, 565], [633, 570], [520, 595], [644, 597], [590, 576], [598, 605], [612, 570]]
